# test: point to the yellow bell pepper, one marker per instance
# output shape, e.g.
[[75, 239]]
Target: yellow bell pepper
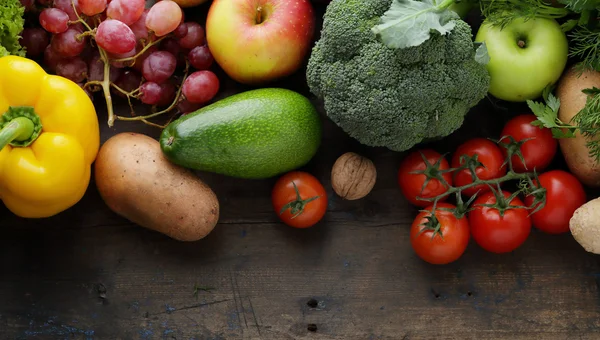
[[49, 138]]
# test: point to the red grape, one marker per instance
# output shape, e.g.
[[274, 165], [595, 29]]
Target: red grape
[[67, 7], [96, 70], [115, 37], [150, 93], [122, 64], [139, 62], [195, 36], [74, 69], [51, 58], [54, 20], [167, 95], [201, 86], [44, 2], [185, 106], [200, 57], [67, 43], [34, 40], [163, 17], [126, 11], [170, 45], [28, 4], [181, 31], [128, 81], [92, 7], [88, 52], [159, 66], [139, 27]]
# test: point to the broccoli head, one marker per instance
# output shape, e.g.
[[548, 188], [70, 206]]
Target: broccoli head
[[394, 98]]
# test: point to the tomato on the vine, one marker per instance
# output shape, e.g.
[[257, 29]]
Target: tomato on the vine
[[442, 239], [564, 194], [488, 153], [538, 152], [299, 199], [502, 228], [413, 185]]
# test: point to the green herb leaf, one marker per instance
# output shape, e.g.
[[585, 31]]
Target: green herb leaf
[[553, 103], [503, 12], [547, 115], [481, 54], [560, 133], [584, 44], [580, 5], [409, 23], [591, 91], [588, 122], [12, 22], [569, 25]]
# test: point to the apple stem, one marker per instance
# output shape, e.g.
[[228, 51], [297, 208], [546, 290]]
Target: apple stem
[[521, 43], [259, 15]]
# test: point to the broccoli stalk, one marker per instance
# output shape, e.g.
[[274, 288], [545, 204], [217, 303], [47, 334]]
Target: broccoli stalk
[[411, 82]]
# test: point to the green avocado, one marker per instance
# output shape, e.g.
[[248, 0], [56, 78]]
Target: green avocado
[[255, 134]]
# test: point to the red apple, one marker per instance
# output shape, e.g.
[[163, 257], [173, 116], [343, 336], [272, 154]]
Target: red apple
[[260, 41]]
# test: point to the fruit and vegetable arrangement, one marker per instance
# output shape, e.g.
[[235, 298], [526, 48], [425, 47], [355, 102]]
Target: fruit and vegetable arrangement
[[395, 74]]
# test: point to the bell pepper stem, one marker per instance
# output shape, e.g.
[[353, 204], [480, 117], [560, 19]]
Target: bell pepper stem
[[19, 126], [18, 129]]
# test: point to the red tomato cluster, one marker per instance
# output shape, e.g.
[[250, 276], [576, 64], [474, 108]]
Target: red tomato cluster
[[498, 220]]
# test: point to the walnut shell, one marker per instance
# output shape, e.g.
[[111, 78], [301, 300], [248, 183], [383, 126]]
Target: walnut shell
[[353, 176]]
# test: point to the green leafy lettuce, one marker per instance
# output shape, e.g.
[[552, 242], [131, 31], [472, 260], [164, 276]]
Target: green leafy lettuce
[[12, 22]]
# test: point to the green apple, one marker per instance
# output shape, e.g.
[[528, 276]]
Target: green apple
[[525, 57]]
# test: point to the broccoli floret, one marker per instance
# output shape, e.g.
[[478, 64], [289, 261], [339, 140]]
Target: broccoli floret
[[394, 98]]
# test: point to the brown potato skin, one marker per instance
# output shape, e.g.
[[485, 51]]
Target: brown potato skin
[[572, 100], [138, 183]]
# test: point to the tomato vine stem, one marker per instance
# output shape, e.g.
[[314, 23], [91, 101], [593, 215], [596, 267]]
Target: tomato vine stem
[[525, 180]]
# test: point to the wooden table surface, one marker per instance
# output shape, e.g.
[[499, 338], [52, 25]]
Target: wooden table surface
[[89, 274]]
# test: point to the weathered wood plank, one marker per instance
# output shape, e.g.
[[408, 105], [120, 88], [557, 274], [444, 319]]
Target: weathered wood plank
[[89, 274]]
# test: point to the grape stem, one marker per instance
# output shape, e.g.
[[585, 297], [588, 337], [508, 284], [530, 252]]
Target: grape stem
[[79, 17], [85, 34], [133, 93], [171, 107], [106, 84], [92, 82], [140, 52], [106, 87]]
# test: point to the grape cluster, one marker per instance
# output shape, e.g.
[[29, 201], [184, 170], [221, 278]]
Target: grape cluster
[[128, 48]]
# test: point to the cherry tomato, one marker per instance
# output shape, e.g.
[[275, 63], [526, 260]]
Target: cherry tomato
[[495, 232], [299, 199], [411, 184], [489, 154], [564, 194], [537, 152], [443, 245]]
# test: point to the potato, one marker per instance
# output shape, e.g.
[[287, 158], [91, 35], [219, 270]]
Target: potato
[[572, 100], [137, 182], [585, 226]]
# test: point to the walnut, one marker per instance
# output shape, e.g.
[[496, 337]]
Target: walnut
[[353, 176]]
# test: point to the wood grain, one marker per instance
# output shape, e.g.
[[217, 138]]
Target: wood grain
[[89, 274]]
